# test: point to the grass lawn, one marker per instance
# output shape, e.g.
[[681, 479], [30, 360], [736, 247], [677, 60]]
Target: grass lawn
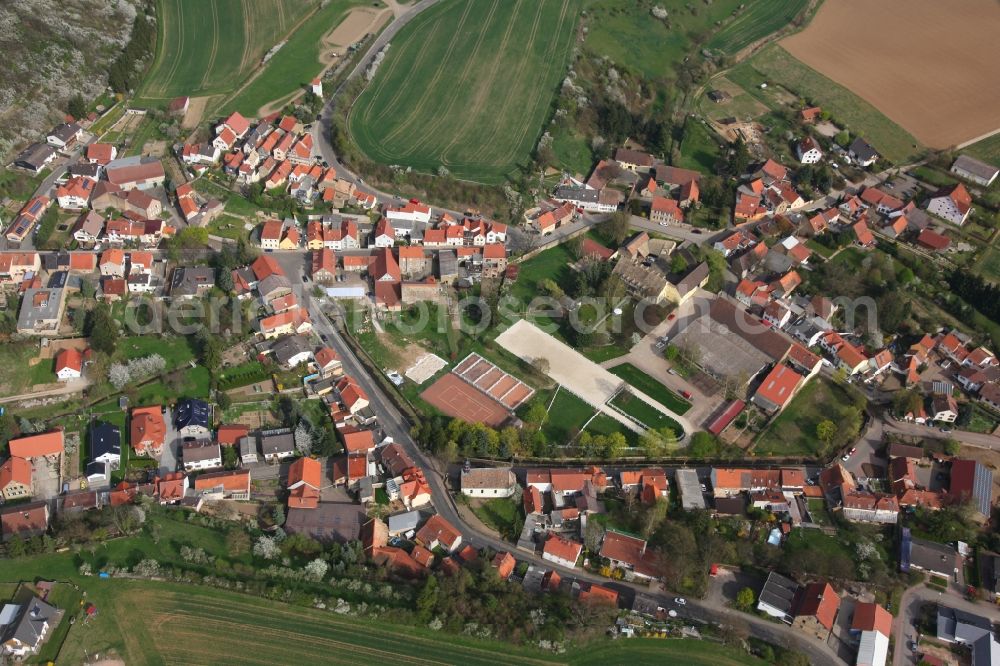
[[775, 65], [244, 374], [656, 651], [227, 226], [572, 150], [605, 425], [933, 176], [793, 432], [175, 350], [625, 31], [566, 417], [552, 264], [18, 184], [645, 413], [987, 150], [19, 375], [817, 511], [296, 64], [210, 47], [851, 257], [192, 383], [700, 148], [467, 84], [756, 21], [989, 265], [651, 387], [980, 421], [816, 541], [504, 515], [820, 249]]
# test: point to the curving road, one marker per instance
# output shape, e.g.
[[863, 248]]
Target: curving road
[[395, 425]]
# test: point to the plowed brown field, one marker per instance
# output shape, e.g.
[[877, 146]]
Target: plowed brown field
[[930, 66]]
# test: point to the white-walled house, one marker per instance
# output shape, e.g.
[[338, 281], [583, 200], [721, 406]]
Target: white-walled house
[[952, 204], [489, 482], [808, 151]]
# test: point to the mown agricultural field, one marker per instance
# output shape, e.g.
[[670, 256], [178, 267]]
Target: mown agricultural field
[[987, 150], [758, 20], [208, 47], [467, 85], [296, 63]]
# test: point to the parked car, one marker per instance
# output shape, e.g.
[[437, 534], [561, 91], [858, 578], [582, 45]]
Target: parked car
[[845, 457], [686, 394], [674, 372], [680, 601]]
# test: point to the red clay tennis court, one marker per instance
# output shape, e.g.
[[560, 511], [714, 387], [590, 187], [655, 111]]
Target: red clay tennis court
[[457, 398]]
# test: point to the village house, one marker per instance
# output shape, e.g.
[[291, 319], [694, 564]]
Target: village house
[[561, 551], [951, 203], [233, 485], [148, 430], [305, 479], [808, 151], [41, 311], [489, 482], [201, 455], [130, 173], [979, 172], [438, 532], [15, 479], [277, 446], [69, 364], [24, 520]]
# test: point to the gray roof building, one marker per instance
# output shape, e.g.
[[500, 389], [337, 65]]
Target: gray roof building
[[191, 281], [35, 157], [41, 311], [287, 349], [32, 624], [690, 489], [975, 170], [402, 523], [278, 444], [778, 597], [957, 626], [329, 522]]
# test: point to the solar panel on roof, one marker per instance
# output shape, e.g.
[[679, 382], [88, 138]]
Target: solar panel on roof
[[34, 207]]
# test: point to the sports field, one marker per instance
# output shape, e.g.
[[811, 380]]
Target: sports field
[[467, 85], [926, 66], [758, 20], [207, 47]]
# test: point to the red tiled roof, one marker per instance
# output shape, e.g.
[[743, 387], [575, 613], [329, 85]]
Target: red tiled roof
[[69, 358], [231, 480], [15, 470], [438, 529], [821, 601], [230, 434], [779, 385], [597, 594], [147, 427], [562, 548], [33, 446]]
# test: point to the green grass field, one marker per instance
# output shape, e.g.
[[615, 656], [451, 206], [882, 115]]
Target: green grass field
[[466, 85], [566, 417], [775, 65], [987, 150], [651, 387], [295, 64], [793, 432], [645, 413], [700, 148], [757, 21], [208, 47], [989, 265], [502, 514], [625, 31]]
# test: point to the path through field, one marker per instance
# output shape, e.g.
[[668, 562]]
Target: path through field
[[928, 65]]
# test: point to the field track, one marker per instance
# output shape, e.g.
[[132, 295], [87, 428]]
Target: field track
[[931, 69], [467, 85]]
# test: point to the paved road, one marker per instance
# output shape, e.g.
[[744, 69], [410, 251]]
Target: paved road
[[395, 426], [978, 439]]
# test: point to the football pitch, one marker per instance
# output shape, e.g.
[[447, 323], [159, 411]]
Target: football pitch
[[467, 85]]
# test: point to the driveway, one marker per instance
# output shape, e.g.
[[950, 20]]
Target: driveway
[[171, 456]]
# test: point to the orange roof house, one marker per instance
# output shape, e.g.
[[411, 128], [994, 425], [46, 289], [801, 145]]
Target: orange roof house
[[357, 441], [818, 604], [305, 477], [43, 445], [147, 430], [872, 617], [439, 532], [229, 434], [597, 594], [777, 388], [171, 488], [15, 478], [504, 563]]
